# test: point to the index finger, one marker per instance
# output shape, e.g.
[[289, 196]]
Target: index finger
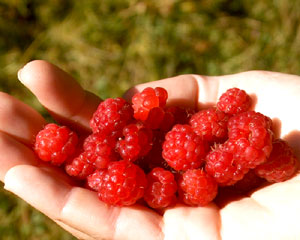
[[59, 93]]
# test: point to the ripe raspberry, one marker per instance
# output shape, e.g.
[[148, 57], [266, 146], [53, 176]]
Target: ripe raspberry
[[248, 183], [181, 115], [154, 157], [148, 99], [137, 141], [250, 138], [123, 184], [234, 101], [167, 122], [183, 149], [79, 167], [111, 116], [281, 165], [55, 144], [222, 166], [155, 118], [161, 188], [100, 149], [197, 188], [210, 124]]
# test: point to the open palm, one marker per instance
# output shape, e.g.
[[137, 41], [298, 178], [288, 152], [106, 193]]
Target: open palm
[[269, 213]]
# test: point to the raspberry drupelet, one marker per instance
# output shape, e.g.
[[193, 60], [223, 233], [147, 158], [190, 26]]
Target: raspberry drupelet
[[122, 184], [234, 101], [161, 188], [183, 149], [148, 101], [136, 142], [250, 138], [197, 188], [281, 165], [111, 116], [55, 143], [210, 124]]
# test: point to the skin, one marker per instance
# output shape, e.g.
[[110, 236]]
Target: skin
[[268, 213]]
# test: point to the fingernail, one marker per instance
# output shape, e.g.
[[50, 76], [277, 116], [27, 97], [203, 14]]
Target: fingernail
[[20, 74]]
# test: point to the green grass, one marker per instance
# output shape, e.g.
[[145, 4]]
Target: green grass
[[110, 45]]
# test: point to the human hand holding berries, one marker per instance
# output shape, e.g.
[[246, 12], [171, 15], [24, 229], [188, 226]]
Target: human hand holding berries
[[269, 213]]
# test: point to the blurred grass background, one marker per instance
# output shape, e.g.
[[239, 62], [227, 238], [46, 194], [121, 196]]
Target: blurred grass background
[[110, 45]]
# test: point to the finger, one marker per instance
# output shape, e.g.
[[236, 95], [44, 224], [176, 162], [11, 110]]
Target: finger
[[193, 91], [14, 153], [184, 222], [19, 120], [80, 208], [282, 200], [270, 213], [59, 93], [74, 232]]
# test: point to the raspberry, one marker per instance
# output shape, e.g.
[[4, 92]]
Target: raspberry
[[222, 166], [156, 118], [123, 184], [111, 116], [55, 144], [161, 188], [167, 122], [234, 101], [197, 188], [183, 149], [79, 167], [100, 149], [248, 183], [210, 124], [154, 157], [137, 142], [147, 100], [250, 138], [281, 165]]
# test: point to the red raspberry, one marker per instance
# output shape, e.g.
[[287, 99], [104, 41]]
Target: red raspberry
[[100, 149], [197, 188], [250, 138], [181, 115], [123, 184], [136, 143], [222, 166], [156, 118], [161, 188], [210, 124], [154, 157], [183, 149], [248, 183], [148, 99], [167, 122], [281, 165], [55, 144], [234, 101], [111, 116], [79, 167]]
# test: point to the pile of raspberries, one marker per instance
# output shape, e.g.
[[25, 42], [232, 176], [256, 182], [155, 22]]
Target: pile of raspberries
[[152, 154]]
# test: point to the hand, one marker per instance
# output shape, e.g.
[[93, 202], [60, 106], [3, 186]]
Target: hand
[[269, 213]]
